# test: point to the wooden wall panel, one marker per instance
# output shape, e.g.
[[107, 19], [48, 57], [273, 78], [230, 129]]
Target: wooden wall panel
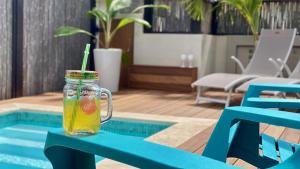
[[162, 78], [5, 48], [46, 58]]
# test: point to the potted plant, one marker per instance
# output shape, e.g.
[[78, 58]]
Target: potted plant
[[107, 59]]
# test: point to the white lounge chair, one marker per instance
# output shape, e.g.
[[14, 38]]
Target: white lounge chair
[[272, 44], [294, 78]]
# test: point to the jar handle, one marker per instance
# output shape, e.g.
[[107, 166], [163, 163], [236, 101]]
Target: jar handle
[[109, 105]]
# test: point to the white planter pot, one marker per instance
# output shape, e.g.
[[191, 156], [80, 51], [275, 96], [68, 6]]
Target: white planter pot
[[108, 64]]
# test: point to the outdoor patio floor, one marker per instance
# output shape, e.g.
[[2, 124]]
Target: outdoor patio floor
[[170, 104]]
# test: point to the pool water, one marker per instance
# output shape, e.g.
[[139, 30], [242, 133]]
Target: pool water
[[23, 135]]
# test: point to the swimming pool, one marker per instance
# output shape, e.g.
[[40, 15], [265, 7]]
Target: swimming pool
[[23, 134]]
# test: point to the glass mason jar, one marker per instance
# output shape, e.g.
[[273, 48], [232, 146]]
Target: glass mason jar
[[82, 108]]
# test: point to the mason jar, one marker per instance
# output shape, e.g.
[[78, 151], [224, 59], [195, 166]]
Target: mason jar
[[82, 107]]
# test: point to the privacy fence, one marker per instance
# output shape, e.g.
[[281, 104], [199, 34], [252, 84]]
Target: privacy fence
[[225, 20], [275, 14], [32, 61]]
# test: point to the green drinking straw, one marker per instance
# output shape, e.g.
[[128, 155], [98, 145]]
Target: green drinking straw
[[85, 58], [83, 68]]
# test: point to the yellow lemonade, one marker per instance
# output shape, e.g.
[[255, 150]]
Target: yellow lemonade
[[81, 116]]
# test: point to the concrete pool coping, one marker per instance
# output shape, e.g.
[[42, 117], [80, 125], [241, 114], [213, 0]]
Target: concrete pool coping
[[186, 126]]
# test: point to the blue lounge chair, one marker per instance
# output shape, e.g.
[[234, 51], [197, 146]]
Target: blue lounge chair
[[237, 131], [235, 135]]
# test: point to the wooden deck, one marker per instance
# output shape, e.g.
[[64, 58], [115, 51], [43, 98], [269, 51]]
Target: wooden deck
[[168, 103]]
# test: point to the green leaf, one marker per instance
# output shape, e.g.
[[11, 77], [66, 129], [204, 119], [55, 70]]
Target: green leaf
[[127, 21], [150, 6], [195, 8], [250, 10], [69, 31], [117, 5], [108, 3], [99, 14]]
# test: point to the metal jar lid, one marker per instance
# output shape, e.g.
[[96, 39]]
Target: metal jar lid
[[77, 74]]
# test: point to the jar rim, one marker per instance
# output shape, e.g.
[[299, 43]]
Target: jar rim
[[77, 74]]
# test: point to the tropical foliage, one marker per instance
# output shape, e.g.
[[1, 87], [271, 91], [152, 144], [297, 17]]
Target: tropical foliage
[[249, 9], [195, 8], [105, 18]]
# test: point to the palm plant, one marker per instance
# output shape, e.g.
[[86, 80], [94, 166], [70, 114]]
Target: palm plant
[[250, 10], [105, 18], [195, 8]]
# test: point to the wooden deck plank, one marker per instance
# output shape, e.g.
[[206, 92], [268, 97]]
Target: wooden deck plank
[[198, 141], [274, 131], [244, 164], [291, 135]]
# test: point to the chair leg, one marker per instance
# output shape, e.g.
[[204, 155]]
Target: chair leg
[[227, 103], [200, 98], [298, 95], [280, 94], [197, 101]]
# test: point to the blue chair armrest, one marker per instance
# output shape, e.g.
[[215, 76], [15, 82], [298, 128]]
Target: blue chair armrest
[[259, 87], [225, 128], [273, 103], [273, 117], [252, 97], [61, 149]]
